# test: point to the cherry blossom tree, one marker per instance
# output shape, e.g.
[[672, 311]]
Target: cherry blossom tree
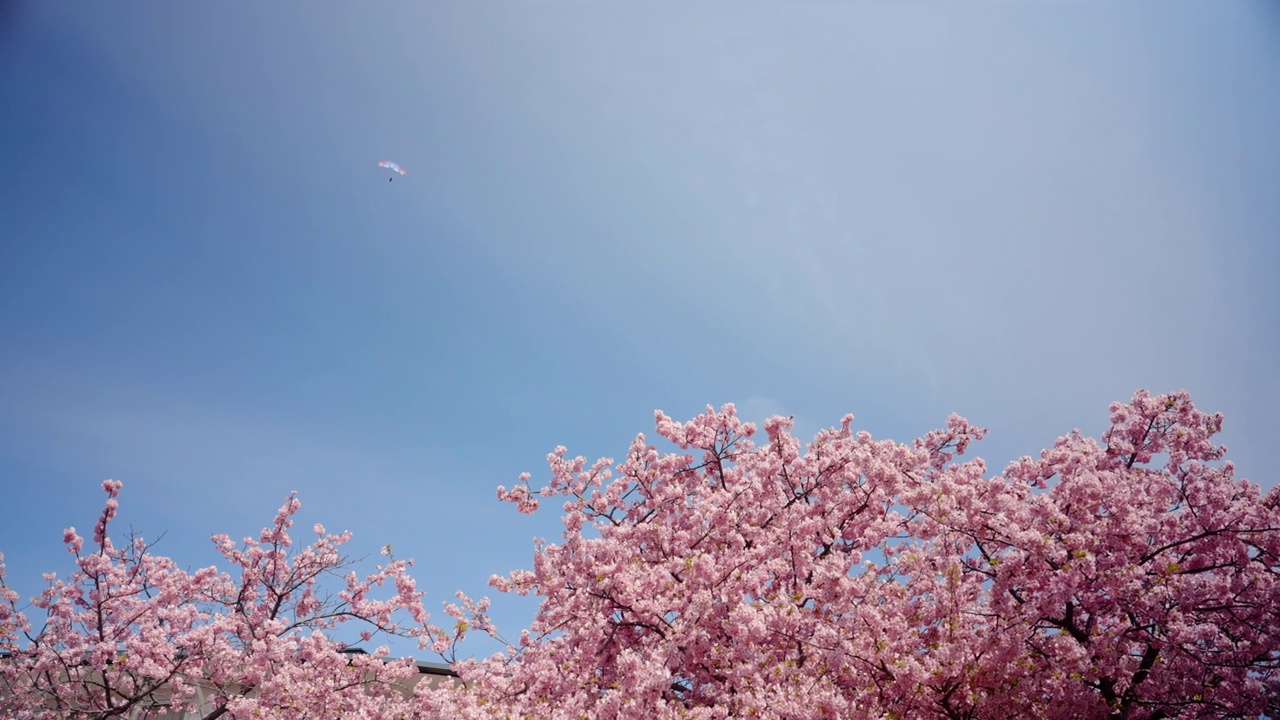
[[130, 634], [1131, 576]]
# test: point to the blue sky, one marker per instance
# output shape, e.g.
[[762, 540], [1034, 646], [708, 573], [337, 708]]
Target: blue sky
[[1017, 212]]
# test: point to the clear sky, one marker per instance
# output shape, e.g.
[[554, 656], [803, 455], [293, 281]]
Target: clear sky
[[1020, 212]]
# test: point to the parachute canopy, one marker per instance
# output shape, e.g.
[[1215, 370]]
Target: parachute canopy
[[394, 167]]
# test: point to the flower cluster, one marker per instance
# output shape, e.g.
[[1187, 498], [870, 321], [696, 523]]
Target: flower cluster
[[736, 574], [858, 578], [132, 634]]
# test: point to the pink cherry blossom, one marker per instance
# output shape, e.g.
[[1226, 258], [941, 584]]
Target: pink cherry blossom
[[731, 575], [1129, 577], [130, 634]]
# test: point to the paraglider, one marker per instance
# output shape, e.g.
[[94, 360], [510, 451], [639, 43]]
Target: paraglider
[[394, 167]]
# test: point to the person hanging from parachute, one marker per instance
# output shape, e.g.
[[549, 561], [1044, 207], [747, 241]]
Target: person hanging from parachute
[[394, 167]]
